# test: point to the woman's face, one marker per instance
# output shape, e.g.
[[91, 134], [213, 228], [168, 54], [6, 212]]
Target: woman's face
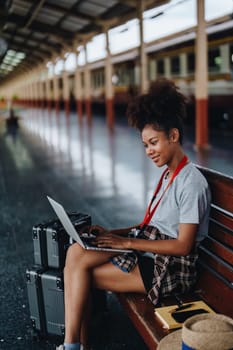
[[159, 147]]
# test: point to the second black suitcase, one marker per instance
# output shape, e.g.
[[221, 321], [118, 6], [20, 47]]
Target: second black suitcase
[[53, 296], [35, 299]]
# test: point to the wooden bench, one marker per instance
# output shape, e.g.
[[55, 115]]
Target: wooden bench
[[215, 264]]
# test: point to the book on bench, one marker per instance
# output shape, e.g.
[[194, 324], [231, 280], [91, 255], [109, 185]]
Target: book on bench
[[173, 317]]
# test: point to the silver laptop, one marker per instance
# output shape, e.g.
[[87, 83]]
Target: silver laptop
[[70, 229]]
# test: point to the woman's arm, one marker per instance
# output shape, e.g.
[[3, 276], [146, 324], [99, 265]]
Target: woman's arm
[[180, 246]]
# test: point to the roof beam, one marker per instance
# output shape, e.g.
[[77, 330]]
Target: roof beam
[[35, 8], [72, 11], [34, 39], [18, 21]]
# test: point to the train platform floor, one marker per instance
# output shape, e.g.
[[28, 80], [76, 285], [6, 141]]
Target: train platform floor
[[87, 168]]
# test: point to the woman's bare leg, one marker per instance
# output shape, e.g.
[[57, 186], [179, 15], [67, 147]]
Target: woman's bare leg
[[84, 270], [77, 278], [84, 333], [111, 278]]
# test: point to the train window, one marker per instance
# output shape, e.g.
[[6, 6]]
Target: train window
[[214, 60], [175, 65], [160, 66], [191, 62]]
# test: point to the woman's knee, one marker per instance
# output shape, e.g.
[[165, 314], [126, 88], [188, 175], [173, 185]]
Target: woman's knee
[[74, 255]]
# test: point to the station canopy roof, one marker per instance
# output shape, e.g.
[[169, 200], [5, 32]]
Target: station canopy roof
[[32, 32]]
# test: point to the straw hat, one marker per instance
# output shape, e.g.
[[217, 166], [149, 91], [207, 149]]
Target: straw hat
[[201, 332]]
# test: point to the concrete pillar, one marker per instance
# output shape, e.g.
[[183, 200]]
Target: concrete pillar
[[26, 92], [33, 93], [56, 93], [21, 91], [66, 90], [30, 93], [109, 92], [44, 92], [87, 87], [225, 58], [78, 90], [34, 97], [42, 86], [48, 93], [143, 55], [40, 93], [201, 77], [78, 93], [37, 90]]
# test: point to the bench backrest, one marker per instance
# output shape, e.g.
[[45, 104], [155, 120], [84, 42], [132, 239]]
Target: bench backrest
[[216, 252]]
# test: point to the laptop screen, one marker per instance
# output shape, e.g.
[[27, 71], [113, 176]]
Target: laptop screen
[[65, 220]]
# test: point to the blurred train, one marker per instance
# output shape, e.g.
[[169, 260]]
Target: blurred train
[[174, 57]]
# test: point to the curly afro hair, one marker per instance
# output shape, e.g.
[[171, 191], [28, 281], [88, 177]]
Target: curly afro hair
[[163, 107]]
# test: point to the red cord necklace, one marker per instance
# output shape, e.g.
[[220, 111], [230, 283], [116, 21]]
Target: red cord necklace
[[149, 213]]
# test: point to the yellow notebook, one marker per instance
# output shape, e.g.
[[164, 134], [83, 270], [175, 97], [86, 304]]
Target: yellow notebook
[[172, 318]]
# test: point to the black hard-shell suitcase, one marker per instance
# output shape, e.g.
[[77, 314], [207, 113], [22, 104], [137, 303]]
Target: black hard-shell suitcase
[[45, 279], [57, 242], [53, 295], [35, 299], [50, 240], [46, 302], [39, 245]]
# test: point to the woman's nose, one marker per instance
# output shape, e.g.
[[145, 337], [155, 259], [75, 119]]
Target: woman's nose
[[149, 150]]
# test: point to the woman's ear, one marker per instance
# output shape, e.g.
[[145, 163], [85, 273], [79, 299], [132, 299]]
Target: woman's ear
[[174, 135]]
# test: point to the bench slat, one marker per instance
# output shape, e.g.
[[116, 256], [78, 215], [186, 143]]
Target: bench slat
[[216, 293], [218, 249], [221, 233], [225, 219], [217, 264], [221, 188]]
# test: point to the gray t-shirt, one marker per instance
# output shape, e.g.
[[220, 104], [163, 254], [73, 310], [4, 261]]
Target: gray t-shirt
[[187, 200]]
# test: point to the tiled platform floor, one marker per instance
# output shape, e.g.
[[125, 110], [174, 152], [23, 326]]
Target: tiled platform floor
[[87, 168]]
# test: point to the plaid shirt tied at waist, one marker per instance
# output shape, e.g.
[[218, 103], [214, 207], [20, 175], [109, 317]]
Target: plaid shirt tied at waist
[[171, 273]]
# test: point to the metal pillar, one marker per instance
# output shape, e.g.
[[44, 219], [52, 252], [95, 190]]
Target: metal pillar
[[109, 93], [87, 87], [201, 93], [56, 96], [66, 90], [48, 93], [143, 55], [78, 89]]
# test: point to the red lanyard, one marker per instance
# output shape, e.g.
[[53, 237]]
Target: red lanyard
[[149, 213]]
